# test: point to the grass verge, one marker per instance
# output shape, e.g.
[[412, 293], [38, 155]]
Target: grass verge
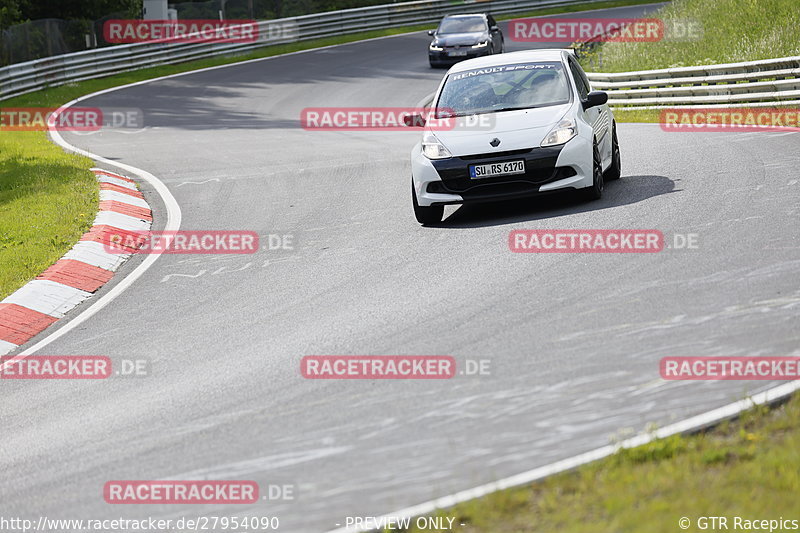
[[48, 198], [732, 31], [748, 468]]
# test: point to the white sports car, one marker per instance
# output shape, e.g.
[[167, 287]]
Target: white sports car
[[513, 125]]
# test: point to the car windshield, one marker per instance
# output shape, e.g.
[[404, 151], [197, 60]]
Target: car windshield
[[503, 88], [462, 25]]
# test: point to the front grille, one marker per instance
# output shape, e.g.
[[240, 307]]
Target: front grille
[[496, 154], [530, 181], [540, 168]]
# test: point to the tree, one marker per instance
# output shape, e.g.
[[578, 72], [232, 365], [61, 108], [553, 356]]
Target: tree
[[10, 13]]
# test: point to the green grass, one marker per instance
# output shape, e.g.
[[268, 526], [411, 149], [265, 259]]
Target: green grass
[[48, 199], [749, 468], [733, 30]]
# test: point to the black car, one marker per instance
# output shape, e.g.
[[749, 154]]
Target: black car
[[464, 37]]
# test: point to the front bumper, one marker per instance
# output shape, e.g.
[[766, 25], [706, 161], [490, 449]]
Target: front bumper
[[443, 57], [447, 181]]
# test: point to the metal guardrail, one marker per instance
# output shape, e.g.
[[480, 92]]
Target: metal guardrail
[[753, 83], [31, 76], [769, 82]]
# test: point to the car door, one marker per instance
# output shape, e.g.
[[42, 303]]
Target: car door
[[597, 116]]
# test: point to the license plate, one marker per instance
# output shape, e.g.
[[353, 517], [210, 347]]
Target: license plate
[[496, 169], [457, 53]]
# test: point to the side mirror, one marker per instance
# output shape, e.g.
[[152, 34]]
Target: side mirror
[[594, 99], [494, 28], [431, 32], [414, 120]]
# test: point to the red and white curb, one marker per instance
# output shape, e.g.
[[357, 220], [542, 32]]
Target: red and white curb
[[82, 271]]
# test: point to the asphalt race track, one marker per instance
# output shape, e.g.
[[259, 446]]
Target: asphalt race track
[[574, 339]]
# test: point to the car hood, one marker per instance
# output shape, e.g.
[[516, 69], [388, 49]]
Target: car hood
[[525, 128], [460, 39]]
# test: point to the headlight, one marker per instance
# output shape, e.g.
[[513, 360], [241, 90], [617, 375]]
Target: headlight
[[435, 48], [432, 148], [484, 44], [564, 131]]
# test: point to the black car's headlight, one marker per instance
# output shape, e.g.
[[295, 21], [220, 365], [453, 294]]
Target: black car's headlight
[[435, 47], [483, 44]]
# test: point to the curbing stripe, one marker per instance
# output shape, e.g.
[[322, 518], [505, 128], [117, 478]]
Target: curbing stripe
[[82, 270], [18, 324], [127, 209], [114, 196], [119, 238], [95, 254], [5, 346], [103, 172], [102, 178], [77, 274], [48, 297], [119, 188], [121, 221]]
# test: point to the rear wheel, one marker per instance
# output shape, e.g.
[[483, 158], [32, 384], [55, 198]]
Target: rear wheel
[[595, 192], [426, 215], [615, 170]]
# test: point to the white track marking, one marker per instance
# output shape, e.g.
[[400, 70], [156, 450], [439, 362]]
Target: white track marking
[[196, 182]]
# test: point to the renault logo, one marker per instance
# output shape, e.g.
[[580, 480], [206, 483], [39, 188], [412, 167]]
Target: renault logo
[[495, 142]]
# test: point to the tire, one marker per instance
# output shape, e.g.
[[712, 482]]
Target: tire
[[615, 170], [426, 215], [595, 192]]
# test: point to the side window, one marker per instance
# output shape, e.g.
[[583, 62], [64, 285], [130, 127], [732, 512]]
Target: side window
[[492, 22], [580, 81], [583, 76]]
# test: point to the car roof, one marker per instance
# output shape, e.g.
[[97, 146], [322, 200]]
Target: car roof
[[466, 15], [525, 56]]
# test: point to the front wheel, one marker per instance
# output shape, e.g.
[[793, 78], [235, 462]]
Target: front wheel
[[595, 192], [615, 170], [426, 215]]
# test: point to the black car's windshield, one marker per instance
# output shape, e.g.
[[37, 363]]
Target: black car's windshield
[[503, 88], [462, 25]]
